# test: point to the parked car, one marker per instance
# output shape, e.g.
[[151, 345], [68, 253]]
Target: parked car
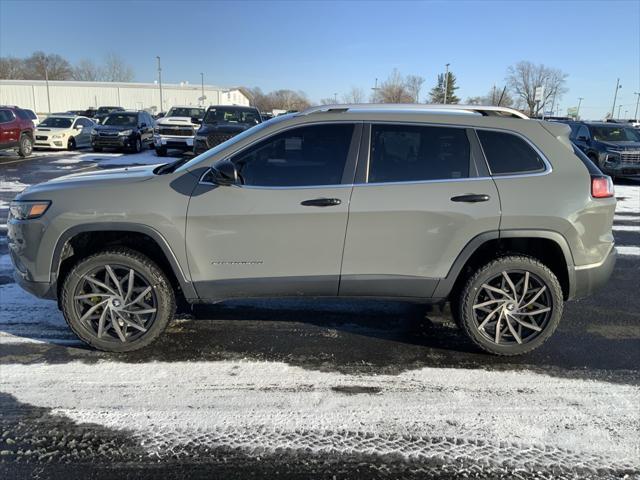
[[613, 147], [64, 132], [177, 129], [32, 116], [124, 130], [16, 130], [503, 217], [103, 112], [222, 122]]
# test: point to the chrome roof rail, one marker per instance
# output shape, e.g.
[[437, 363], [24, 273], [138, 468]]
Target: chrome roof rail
[[485, 110]]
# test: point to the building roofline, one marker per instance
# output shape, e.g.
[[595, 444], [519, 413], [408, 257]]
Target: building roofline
[[190, 86]]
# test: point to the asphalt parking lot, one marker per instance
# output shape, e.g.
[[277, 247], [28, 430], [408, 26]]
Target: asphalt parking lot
[[316, 388]]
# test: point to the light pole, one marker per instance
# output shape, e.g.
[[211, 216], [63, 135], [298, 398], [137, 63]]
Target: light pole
[[375, 90], [619, 107], [335, 98], [578, 109], [202, 98], [615, 96], [160, 83], [46, 79], [446, 82], [635, 117]]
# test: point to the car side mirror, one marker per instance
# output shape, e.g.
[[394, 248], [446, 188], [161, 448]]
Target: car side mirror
[[196, 120], [225, 173]]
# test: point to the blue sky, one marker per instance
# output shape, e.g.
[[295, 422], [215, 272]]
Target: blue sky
[[327, 47]]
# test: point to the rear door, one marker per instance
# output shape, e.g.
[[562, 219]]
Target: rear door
[[281, 230], [424, 195]]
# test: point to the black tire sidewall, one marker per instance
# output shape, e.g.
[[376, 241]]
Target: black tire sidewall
[[474, 283], [71, 144], [161, 152], [145, 267], [24, 139]]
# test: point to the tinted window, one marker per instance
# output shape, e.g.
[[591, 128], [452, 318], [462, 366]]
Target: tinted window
[[401, 153], [23, 114], [122, 119], [5, 116], [231, 115], [314, 155], [56, 122], [508, 153]]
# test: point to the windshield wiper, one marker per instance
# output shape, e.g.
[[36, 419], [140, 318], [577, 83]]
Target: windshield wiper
[[171, 167]]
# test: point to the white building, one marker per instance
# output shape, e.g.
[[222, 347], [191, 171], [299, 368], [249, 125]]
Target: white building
[[60, 96]]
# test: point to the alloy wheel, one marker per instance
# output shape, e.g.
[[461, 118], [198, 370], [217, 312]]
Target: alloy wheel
[[115, 303], [27, 146], [512, 307]]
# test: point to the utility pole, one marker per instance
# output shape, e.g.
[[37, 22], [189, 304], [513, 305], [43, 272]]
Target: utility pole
[[493, 95], [160, 83], [615, 96], [635, 117], [619, 107], [446, 82], [578, 109], [335, 98], [46, 79], [202, 83], [375, 90]]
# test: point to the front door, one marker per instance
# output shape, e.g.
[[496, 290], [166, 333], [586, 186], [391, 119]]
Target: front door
[[281, 229], [423, 198]]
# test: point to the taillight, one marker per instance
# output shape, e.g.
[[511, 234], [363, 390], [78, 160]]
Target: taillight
[[602, 187]]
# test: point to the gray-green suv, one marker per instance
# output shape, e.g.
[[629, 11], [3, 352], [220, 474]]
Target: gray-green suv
[[498, 214]]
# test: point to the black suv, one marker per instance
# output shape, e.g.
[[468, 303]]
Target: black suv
[[614, 147], [124, 130], [221, 122]]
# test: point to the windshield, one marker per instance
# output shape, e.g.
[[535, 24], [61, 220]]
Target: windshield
[[615, 134], [232, 141], [231, 115], [107, 109], [186, 112], [56, 122], [122, 119]]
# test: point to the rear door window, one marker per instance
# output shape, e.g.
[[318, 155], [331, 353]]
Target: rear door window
[[409, 153], [5, 116], [509, 154]]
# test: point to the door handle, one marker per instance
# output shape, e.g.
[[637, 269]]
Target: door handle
[[471, 198], [321, 202]]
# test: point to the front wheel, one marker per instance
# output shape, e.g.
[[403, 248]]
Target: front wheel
[[137, 146], [511, 305], [71, 144], [25, 146], [117, 300]]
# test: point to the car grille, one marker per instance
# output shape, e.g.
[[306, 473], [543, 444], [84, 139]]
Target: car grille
[[214, 139], [177, 131], [109, 134], [630, 157]]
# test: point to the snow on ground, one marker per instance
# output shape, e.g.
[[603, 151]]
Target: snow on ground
[[628, 198], [11, 185]]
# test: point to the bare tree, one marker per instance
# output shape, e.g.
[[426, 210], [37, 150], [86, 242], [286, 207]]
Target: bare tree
[[327, 101], [524, 77], [11, 68], [88, 71], [41, 65], [279, 99], [354, 95], [498, 96], [414, 85], [116, 70], [393, 90]]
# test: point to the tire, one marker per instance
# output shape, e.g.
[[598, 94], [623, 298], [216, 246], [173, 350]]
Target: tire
[[510, 317], [25, 146], [71, 144], [97, 149], [161, 151], [150, 315], [137, 147]]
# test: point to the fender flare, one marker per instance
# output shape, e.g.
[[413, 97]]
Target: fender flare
[[63, 239], [446, 284]]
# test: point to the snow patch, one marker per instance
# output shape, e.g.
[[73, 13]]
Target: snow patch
[[12, 186], [628, 198]]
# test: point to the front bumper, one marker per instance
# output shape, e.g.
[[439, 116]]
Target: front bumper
[[114, 141], [57, 143], [589, 278], [173, 141], [616, 166], [39, 289]]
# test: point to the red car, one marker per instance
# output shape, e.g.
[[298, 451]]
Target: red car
[[16, 130]]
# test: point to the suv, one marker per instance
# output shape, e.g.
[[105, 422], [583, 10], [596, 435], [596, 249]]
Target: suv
[[614, 147], [176, 129], [501, 216], [221, 122], [103, 112], [124, 130], [16, 130]]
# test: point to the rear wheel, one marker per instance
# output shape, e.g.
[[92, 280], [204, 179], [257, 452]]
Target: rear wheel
[[25, 146], [117, 300], [510, 306]]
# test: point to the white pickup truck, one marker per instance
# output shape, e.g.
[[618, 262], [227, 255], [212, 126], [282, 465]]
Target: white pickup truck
[[177, 129]]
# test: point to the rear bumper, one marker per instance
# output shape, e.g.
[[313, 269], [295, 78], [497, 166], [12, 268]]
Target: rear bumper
[[589, 278]]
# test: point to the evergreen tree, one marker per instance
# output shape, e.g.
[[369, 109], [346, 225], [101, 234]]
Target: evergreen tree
[[437, 93]]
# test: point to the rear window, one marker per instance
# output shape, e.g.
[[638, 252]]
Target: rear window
[[509, 154]]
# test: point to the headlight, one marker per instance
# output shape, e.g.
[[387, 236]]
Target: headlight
[[156, 130], [125, 133], [612, 157], [28, 210], [94, 132]]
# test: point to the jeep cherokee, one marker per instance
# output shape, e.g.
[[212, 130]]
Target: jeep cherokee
[[498, 214]]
